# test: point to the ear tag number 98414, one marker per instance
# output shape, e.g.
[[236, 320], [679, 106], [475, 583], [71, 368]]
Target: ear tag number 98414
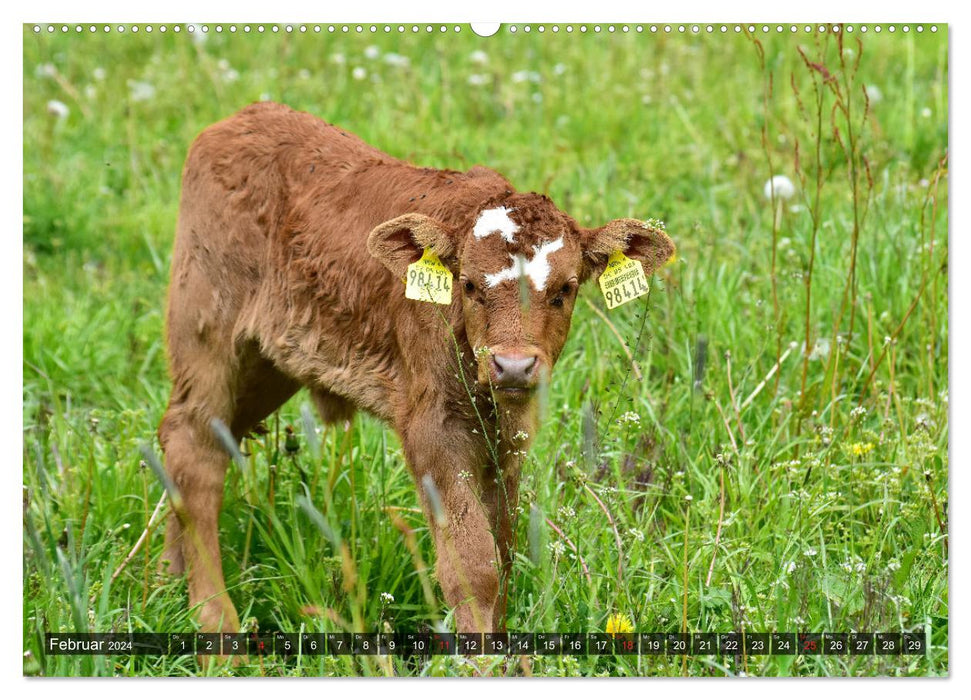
[[623, 280], [429, 280]]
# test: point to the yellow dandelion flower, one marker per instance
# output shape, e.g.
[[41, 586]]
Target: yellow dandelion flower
[[619, 624], [858, 449]]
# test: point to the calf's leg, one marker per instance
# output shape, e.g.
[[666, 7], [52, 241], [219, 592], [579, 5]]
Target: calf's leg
[[500, 495], [464, 546], [197, 467]]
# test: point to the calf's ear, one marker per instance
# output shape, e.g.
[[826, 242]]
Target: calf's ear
[[399, 242], [633, 238]]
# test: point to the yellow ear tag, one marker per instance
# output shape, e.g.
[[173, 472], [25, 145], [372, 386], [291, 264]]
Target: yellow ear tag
[[429, 280], [622, 280]]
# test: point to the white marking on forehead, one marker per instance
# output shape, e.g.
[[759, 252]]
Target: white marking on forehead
[[495, 221], [537, 270]]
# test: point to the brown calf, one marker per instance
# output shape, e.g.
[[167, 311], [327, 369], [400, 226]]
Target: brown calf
[[293, 242]]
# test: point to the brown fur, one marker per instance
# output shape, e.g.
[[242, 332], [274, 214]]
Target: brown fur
[[292, 244]]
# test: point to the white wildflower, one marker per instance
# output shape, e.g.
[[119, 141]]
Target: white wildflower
[[141, 91], [359, 73], [781, 185], [923, 420], [811, 552], [629, 418], [558, 548], [522, 76], [926, 112], [820, 349], [58, 109], [873, 92], [339, 58], [372, 52], [825, 436], [479, 58], [387, 598], [397, 60], [477, 79], [559, 69]]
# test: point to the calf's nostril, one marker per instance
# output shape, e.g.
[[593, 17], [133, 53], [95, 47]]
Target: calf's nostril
[[514, 369], [528, 366]]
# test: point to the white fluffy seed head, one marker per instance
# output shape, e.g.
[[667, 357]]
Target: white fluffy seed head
[[58, 109], [781, 185]]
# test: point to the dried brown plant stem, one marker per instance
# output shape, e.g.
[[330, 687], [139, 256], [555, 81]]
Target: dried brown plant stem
[[816, 219], [67, 87], [933, 188], [843, 105], [728, 428], [731, 396], [684, 582], [926, 276], [776, 202], [761, 385], [143, 538], [613, 526], [148, 521], [583, 564], [937, 510], [897, 331], [718, 532]]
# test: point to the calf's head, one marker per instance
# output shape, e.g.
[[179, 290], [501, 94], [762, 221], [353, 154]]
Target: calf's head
[[517, 264]]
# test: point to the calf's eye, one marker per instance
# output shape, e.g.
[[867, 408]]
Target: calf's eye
[[469, 287], [565, 291]]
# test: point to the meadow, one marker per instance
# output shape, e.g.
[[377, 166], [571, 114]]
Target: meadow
[[760, 444]]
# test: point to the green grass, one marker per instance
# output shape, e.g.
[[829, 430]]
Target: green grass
[[831, 517]]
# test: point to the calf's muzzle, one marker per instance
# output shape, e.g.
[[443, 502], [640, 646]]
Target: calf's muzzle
[[514, 371]]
